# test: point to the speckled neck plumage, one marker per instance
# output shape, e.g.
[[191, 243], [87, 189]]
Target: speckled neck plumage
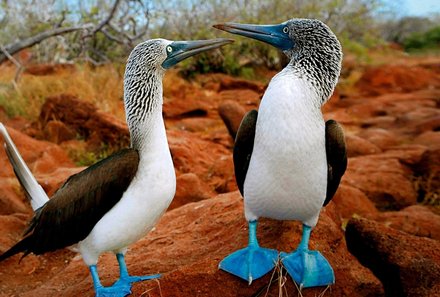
[[317, 56], [142, 93]]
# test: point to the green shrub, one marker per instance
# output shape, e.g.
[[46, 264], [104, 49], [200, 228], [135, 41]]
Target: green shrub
[[423, 41]]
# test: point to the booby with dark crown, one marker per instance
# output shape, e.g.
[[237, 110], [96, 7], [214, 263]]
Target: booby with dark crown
[[116, 201], [288, 161]]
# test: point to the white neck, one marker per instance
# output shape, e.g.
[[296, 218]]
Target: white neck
[[291, 88], [150, 134]]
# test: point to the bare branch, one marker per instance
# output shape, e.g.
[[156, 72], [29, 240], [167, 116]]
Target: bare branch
[[124, 34], [111, 36], [60, 22], [107, 20], [33, 40], [16, 63], [10, 57]]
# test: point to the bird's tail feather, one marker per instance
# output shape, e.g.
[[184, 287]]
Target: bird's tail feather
[[20, 246], [34, 191]]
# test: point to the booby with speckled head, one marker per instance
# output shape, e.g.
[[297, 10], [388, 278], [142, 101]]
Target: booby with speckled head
[[288, 161], [116, 201]]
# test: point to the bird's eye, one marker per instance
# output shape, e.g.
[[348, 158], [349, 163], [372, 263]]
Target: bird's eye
[[169, 49], [285, 30]]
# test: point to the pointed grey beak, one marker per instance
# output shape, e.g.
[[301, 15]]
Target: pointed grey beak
[[275, 35], [180, 50]]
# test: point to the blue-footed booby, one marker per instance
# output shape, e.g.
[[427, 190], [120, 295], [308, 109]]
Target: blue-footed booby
[[288, 161], [116, 201]]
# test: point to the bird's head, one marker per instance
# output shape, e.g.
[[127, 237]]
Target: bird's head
[[313, 49], [145, 68], [161, 54]]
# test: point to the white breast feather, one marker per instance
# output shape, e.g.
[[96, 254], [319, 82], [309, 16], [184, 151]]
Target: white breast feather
[[287, 175]]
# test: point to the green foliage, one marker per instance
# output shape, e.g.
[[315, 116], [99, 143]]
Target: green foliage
[[12, 101], [355, 48], [84, 157], [429, 40]]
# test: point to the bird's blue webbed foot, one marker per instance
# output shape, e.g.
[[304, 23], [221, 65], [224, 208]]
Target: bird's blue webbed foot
[[251, 262], [120, 290], [308, 268], [122, 287], [132, 279]]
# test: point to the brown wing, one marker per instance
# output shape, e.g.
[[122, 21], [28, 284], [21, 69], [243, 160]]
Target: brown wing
[[72, 212], [336, 157], [243, 147]]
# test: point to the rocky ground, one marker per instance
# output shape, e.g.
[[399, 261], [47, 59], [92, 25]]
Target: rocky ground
[[380, 233]]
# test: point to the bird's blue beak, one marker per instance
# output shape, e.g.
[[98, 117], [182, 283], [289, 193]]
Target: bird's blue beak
[[276, 35], [180, 50]]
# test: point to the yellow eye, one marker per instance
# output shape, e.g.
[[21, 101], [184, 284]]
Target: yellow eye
[[285, 30], [169, 49]]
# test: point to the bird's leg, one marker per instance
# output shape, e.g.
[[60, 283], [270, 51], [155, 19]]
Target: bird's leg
[[253, 241], [94, 272], [304, 244], [122, 287], [251, 262], [125, 278], [308, 268], [123, 272]]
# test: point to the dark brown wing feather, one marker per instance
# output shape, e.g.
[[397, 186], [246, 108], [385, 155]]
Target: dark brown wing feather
[[243, 147], [336, 157], [72, 212]]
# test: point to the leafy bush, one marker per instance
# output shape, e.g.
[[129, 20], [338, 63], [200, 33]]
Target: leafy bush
[[423, 41]]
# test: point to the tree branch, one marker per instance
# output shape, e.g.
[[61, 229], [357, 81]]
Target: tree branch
[[107, 20], [111, 36], [33, 40], [16, 63]]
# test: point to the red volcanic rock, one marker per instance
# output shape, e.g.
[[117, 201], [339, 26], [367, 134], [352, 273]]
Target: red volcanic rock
[[247, 98], [380, 137], [230, 83], [31, 150], [396, 78], [84, 119], [196, 124], [351, 201], [53, 180], [367, 108], [221, 82], [407, 265], [231, 113], [416, 220], [408, 154], [52, 158], [386, 181], [210, 161], [47, 161], [57, 132], [430, 139], [185, 107], [428, 176], [420, 119], [11, 228], [189, 189], [358, 146], [186, 247], [342, 116], [47, 69], [12, 199], [431, 124], [379, 121]]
